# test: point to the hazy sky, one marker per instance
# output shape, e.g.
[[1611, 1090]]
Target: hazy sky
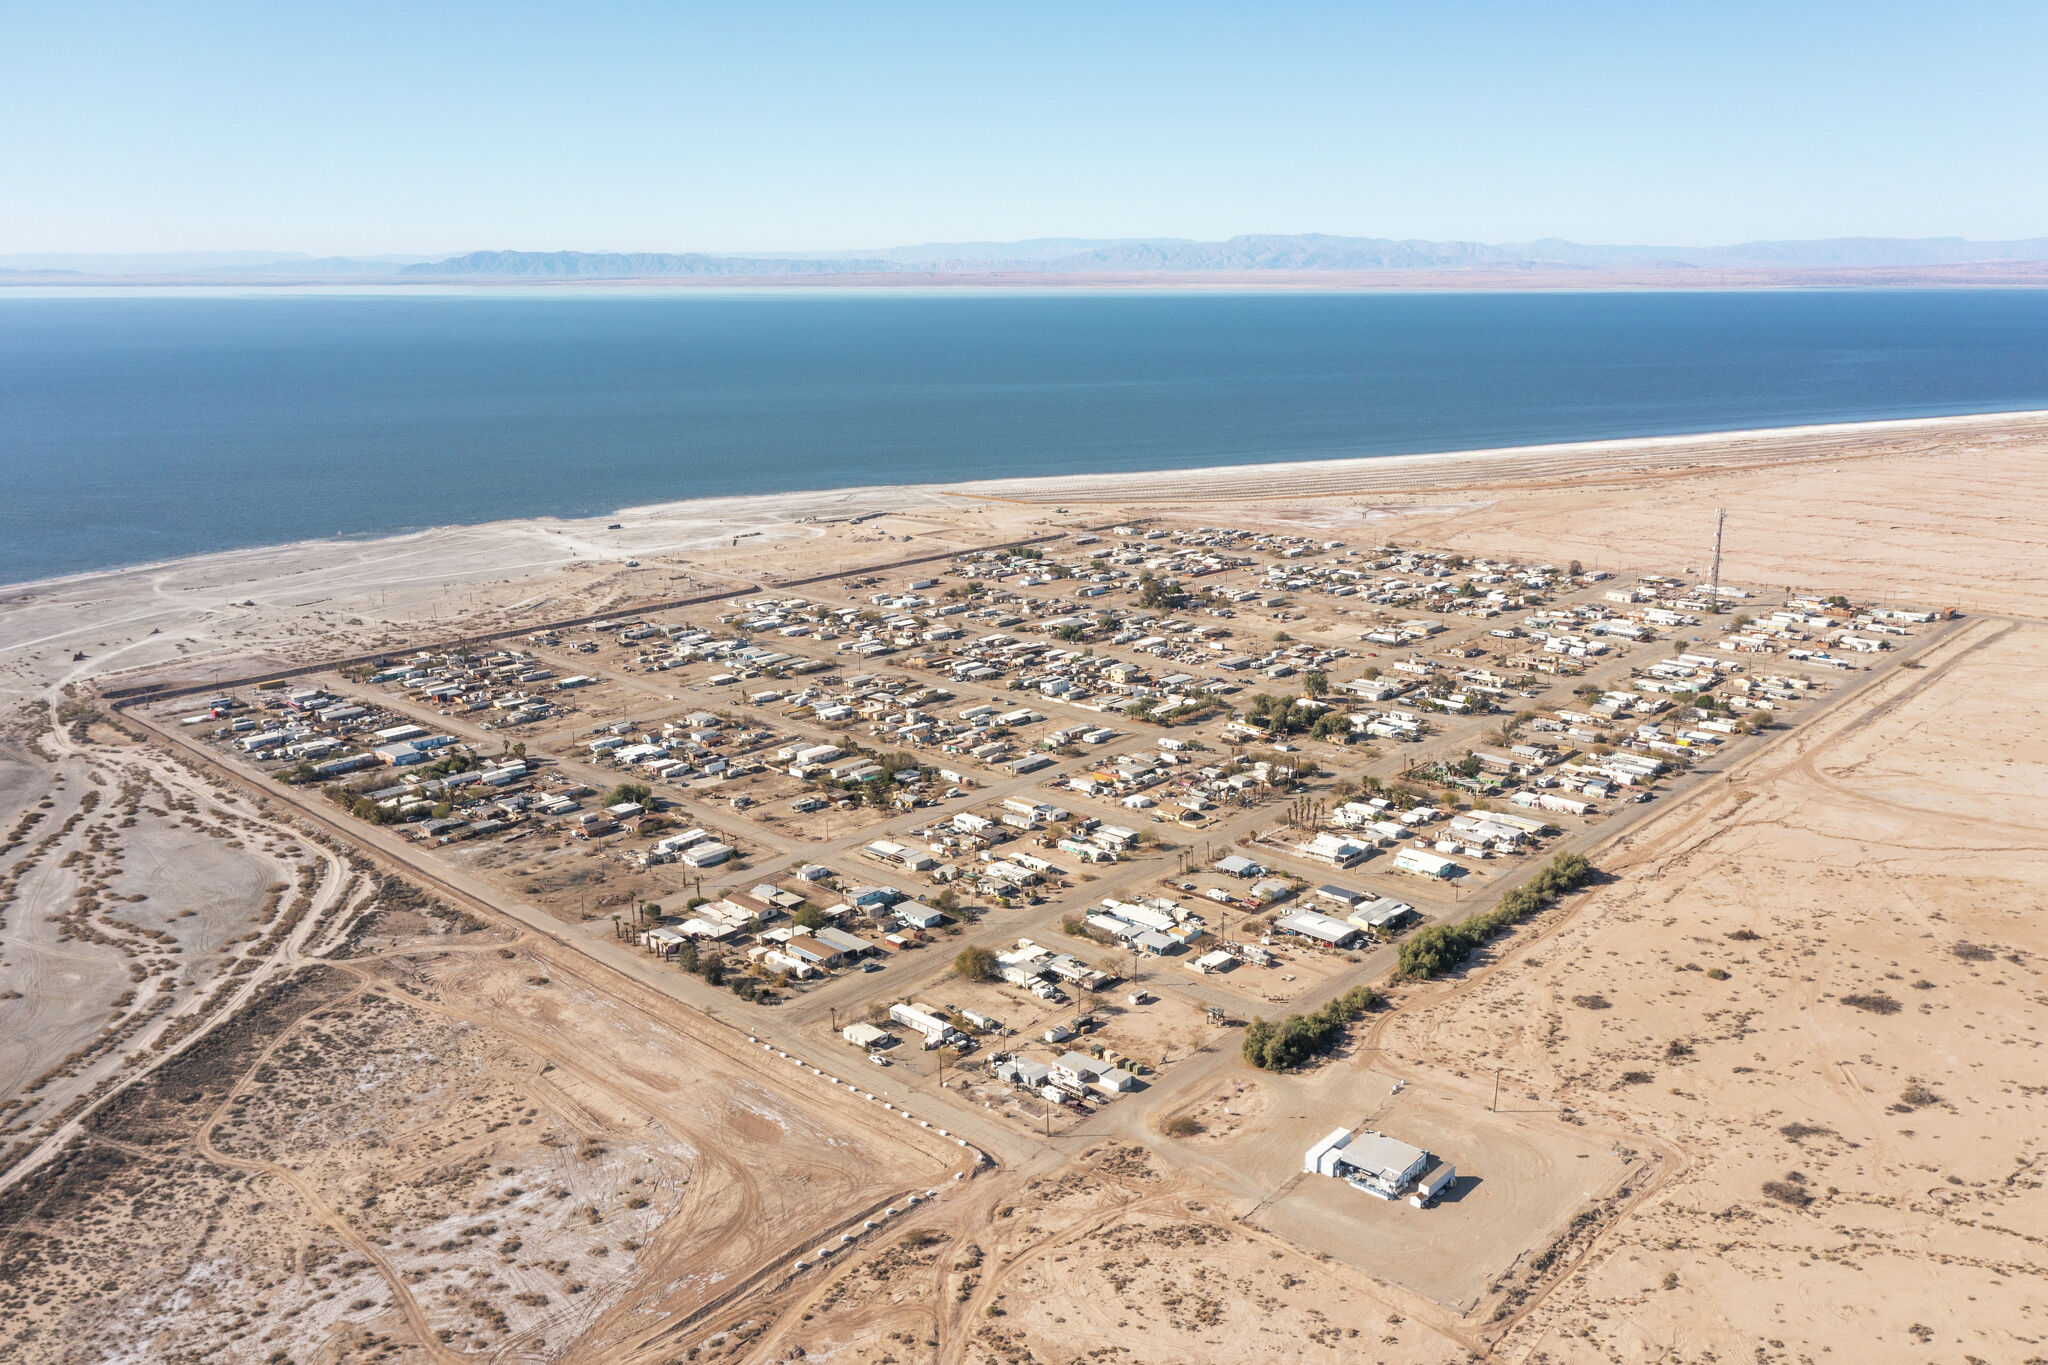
[[365, 127]]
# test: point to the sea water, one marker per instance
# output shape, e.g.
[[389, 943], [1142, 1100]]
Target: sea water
[[140, 425]]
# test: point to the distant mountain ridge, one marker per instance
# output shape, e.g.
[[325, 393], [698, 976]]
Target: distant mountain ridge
[[614, 265], [1251, 254], [1298, 252], [197, 262]]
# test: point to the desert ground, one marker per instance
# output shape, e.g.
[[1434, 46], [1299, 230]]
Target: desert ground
[[275, 1088]]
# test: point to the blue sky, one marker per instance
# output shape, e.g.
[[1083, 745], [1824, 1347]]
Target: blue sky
[[366, 127]]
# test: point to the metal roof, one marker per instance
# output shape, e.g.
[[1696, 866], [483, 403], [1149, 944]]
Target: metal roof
[[1384, 1158], [1313, 925]]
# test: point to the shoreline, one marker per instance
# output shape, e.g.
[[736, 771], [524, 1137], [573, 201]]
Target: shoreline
[[1651, 451], [694, 522]]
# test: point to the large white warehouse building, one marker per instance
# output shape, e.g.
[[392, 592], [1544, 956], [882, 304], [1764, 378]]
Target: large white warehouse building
[[1384, 1167]]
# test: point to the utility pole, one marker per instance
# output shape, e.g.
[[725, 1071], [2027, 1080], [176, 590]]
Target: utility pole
[[1495, 1106], [1720, 523]]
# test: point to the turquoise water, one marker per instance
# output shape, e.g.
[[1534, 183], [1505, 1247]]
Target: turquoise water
[[137, 428]]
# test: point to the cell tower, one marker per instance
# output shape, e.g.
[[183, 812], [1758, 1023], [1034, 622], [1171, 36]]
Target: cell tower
[[1720, 522]]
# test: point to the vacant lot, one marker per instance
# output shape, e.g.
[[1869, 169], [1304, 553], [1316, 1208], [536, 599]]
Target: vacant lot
[[1521, 1179], [461, 1142], [1823, 988]]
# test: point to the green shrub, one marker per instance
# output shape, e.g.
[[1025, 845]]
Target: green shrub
[[976, 964], [1292, 1041], [1438, 948]]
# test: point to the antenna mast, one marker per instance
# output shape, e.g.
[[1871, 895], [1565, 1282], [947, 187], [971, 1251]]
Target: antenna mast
[[1720, 521]]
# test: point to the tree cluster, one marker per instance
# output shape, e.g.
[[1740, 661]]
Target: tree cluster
[[716, 971], [1291, 716], [361, 806], [1158, 595], [442, 767], [1438, 948], [975, 964], [1287, 1044]]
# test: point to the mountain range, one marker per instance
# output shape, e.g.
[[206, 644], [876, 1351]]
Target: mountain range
[[1264, 253], [1305, 252]]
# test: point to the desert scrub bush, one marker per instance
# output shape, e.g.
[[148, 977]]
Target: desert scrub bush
[[1716, 974], [1635, 1078], [1973, 952], [1796, 1131], [1182, 1126], [1592, 1002], [1916, 1095], [1791, 1191], [1876, 1002]]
